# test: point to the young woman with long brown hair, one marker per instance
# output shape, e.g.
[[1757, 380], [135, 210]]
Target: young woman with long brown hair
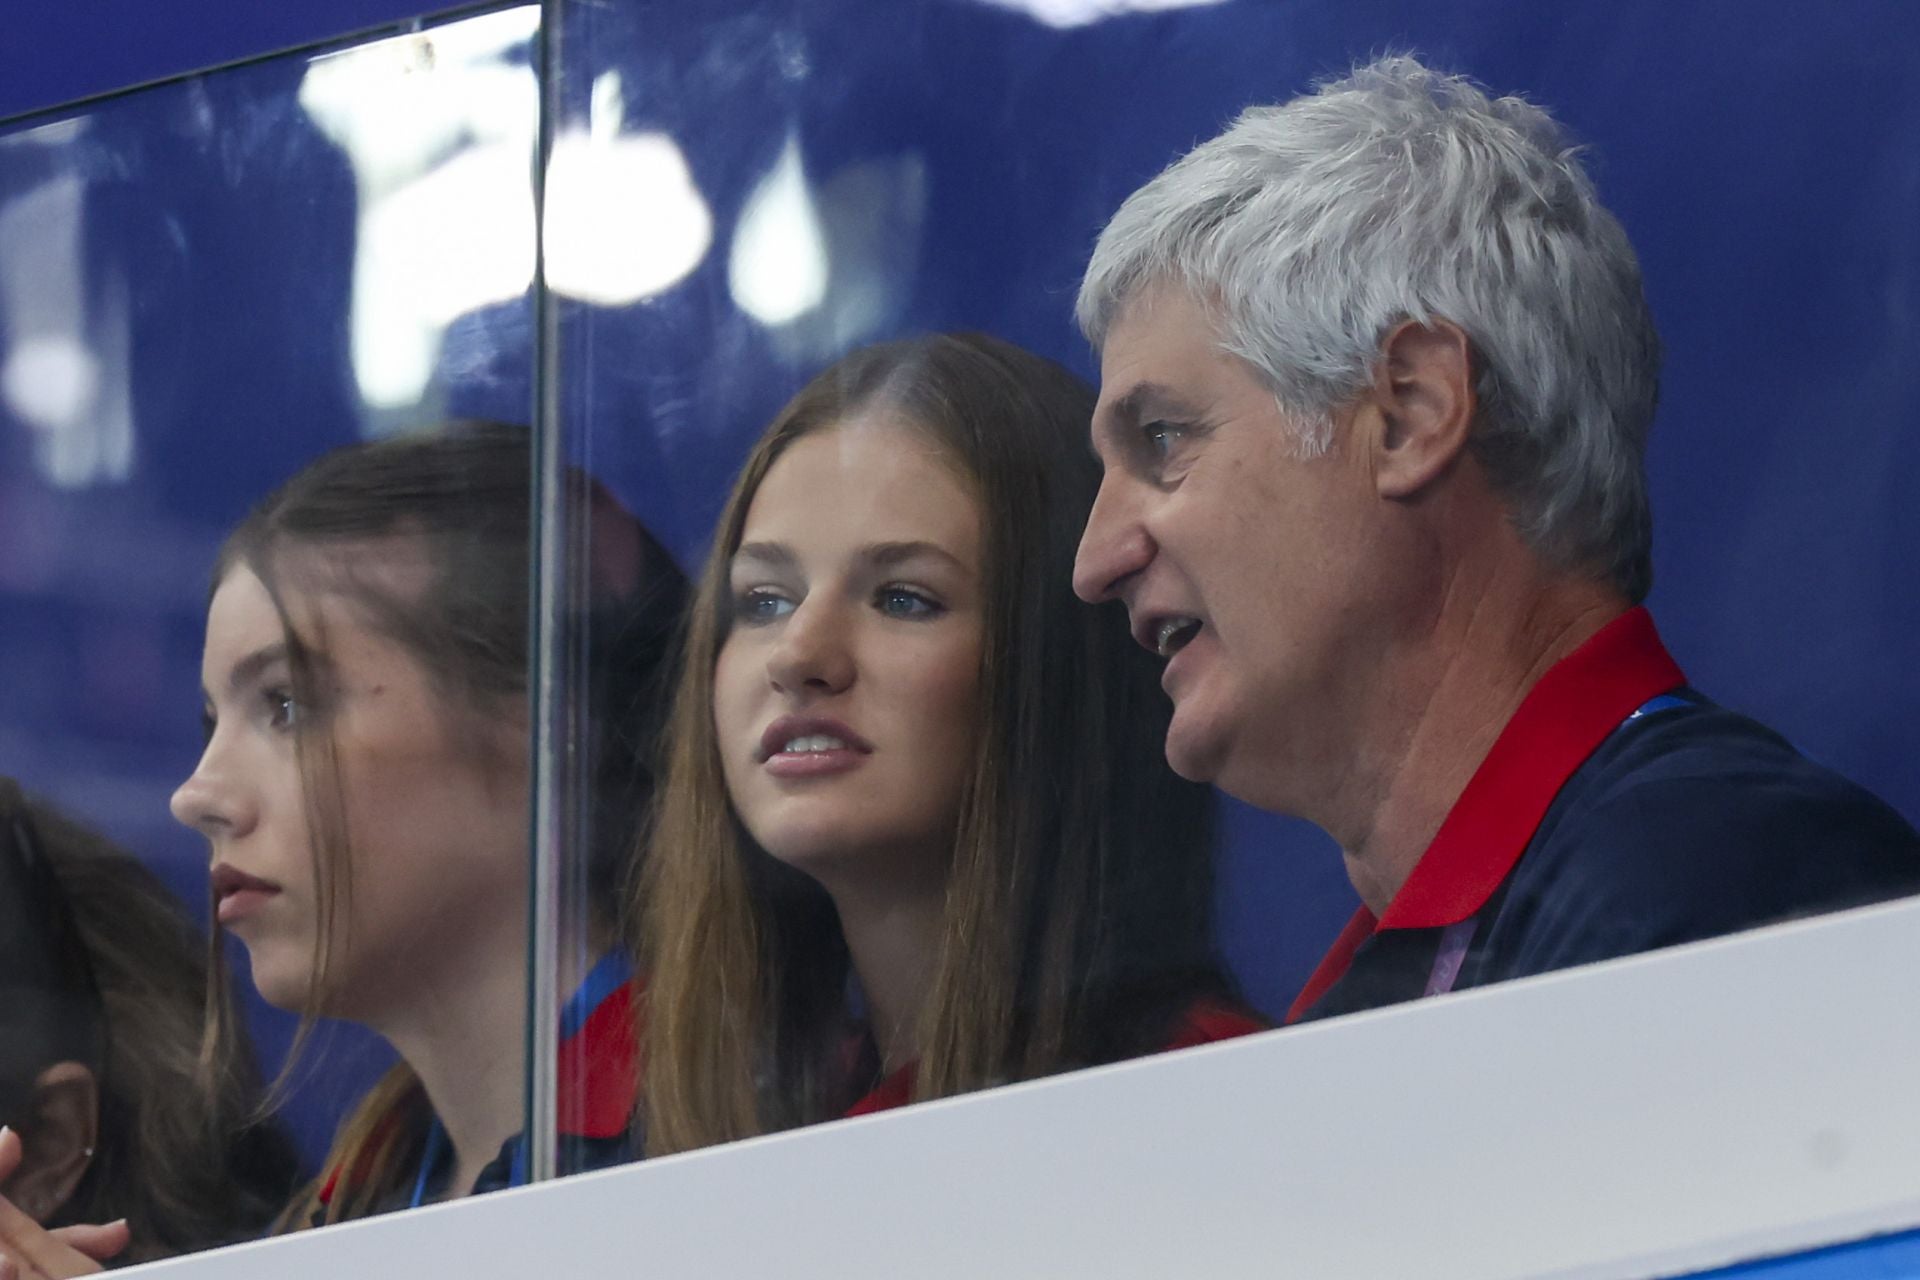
[[364, 792], [915, 835]]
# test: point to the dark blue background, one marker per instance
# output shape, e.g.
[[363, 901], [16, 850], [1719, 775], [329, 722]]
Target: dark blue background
[[1762, 156]]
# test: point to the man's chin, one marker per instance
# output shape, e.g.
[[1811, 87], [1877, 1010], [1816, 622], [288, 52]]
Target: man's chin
[[1193, 749]]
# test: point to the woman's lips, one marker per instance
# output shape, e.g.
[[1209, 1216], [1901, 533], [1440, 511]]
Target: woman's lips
[[237, 894], [241, 903], [811, 747]]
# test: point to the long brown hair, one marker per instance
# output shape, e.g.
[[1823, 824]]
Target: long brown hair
[[183, 1155], [463, 493], [1078, 908]]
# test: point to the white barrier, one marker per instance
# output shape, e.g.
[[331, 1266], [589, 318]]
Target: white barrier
[[1700, 1106]]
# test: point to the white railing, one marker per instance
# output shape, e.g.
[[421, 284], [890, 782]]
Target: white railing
[[1718, 1102]]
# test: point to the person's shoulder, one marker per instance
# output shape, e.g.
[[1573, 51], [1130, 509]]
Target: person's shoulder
[[1699, 768], [1696, 820]]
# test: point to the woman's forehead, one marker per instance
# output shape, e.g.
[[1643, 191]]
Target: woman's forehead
[[326, 598], [872, 475]]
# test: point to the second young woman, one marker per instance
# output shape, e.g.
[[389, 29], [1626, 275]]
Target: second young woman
[[916, 836], [364, 791]]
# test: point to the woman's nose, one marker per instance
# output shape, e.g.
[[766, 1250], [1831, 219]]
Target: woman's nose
[[211, 802], [814, 652]]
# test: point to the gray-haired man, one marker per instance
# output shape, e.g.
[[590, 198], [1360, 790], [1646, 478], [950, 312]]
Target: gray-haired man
[[1377, 374]]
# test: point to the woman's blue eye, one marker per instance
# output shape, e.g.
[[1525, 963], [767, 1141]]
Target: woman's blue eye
[[282, 711], [904, 602], [761, 605]]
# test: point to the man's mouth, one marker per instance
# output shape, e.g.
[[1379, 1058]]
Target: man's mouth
[[1173, 635]]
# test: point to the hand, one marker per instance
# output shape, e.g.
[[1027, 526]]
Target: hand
[[28, 1251]]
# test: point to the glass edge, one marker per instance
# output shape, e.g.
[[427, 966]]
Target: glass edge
[[329, 44]]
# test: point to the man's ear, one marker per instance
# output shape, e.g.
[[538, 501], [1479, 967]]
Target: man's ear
[[58, 1137], [1423, 405]]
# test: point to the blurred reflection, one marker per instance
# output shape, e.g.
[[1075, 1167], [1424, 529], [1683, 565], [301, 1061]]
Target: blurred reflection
[[827, 266], [778, 267], [103, 982], [439, 128], [364, 793], [1078, 13], [624, 219], [65, 370]]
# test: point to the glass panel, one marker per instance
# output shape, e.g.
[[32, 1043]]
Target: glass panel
[[204, 287], [744, 198]]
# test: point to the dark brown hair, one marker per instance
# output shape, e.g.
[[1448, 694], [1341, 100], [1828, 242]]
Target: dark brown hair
[[182, 1153], [463, 493], [1079, 900]]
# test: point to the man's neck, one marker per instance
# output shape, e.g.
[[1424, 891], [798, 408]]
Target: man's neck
[[1446, 704]]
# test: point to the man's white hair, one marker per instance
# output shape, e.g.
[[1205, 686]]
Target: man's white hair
[[1313, 228]]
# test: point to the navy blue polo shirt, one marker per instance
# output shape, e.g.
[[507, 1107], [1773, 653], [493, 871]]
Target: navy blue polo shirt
[[1591, 832]]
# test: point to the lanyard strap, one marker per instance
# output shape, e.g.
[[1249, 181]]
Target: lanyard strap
[[1457, 937], [612, 972]]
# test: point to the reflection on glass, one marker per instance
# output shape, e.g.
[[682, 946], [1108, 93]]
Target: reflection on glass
[[624, 219], [951, 166], [439, 128], [66, 371], [778, 265], [1078, 13], [204, 285]]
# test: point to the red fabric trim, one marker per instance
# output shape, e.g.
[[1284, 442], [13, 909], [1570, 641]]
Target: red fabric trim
[[1204, 1022], [1563, 720], [598, 1082], [1209, 1022], [1333, 966], [894, 1091]]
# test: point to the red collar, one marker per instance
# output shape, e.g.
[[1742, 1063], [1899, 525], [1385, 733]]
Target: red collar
[[596, 1080], [596, 1075], [894, 1091], [1563, 720]]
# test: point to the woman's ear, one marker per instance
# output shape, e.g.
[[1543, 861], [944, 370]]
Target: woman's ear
[[58, 1136]]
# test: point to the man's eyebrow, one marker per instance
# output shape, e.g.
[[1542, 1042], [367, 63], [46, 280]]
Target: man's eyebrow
[[888, 554], [1142, 402], [248, 669]]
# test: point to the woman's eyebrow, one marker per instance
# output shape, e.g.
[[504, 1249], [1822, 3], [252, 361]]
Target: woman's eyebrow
[[886, 555], [777, 555], [248, 669]]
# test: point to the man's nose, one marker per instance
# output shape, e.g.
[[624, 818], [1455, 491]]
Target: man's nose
[[1113, 548], [211, 801], [814, 653]]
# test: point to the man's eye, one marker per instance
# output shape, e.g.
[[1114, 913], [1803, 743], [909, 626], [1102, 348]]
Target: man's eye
[[905, 602], [760, 605], [1161, 437]]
